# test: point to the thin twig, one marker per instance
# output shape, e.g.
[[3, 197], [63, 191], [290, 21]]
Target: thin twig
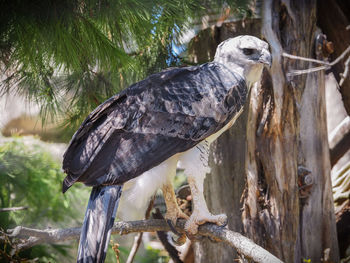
[[242, 244], [306, 71], [339, 141], [286, 55], [135, 247], [342, 55], [11, 209], [327, 65], [345, 74], [138, 237]]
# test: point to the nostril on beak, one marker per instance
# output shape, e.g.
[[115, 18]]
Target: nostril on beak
[[266, 58]]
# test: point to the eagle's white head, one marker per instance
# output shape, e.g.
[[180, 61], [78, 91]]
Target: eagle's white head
[[246, 55]]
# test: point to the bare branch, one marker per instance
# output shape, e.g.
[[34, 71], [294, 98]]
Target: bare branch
[[33, 237], [138, 237], [10, 209], [339, 141], [242, 244], [135, 247], [306, 71], [286, 55], [342, 55], [327, 65], [345, 74]]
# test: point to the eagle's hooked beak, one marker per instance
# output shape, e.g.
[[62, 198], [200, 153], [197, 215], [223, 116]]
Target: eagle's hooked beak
[[266, 58]]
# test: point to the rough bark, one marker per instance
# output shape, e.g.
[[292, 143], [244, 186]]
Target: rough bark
[[317, 211], [288, 206]]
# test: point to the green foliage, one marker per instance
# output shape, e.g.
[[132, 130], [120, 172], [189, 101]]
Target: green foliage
[[30, 177], [70, 55], [146, 255], [153, 255]]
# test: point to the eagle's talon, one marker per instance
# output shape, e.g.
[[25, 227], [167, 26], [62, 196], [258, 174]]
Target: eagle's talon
[[197, 219], [179, 240], [222, 220], [224, 224], [172, 227], [193, 237], [214, 239], [171, 218], [174, 215], [191, 228]]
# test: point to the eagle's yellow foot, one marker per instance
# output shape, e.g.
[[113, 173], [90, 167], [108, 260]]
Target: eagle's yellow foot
[[173, 210], [199, 218]]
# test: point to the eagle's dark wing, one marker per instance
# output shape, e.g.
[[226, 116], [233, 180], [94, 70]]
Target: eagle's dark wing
[[137, 129]]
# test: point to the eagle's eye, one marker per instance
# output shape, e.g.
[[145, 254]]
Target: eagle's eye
[[248, 51]]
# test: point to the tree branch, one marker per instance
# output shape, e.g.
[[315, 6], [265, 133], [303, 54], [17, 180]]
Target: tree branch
[[339, 141], [286, 55], [30, 237], [326, 64], [138, 238], [11, 209], [345, 74]]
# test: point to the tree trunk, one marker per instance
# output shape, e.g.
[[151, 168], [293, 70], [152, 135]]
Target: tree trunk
[[288, 203], [278, 149]]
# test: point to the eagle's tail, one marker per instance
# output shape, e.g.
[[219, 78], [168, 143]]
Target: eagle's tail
[[98, 222]]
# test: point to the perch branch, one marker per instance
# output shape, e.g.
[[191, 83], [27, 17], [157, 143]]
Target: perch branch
[[242, 244]]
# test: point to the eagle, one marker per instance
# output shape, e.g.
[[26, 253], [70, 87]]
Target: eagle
[[131, 144]]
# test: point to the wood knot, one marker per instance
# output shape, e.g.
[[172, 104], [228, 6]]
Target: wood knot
[[305, 182]]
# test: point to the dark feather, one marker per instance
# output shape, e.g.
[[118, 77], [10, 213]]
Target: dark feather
[[98, 223], [137, 129]]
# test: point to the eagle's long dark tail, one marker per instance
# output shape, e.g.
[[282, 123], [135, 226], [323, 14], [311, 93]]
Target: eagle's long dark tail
[[98, 222]]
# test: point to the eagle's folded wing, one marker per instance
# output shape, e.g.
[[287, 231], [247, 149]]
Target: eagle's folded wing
[[137, 129]]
